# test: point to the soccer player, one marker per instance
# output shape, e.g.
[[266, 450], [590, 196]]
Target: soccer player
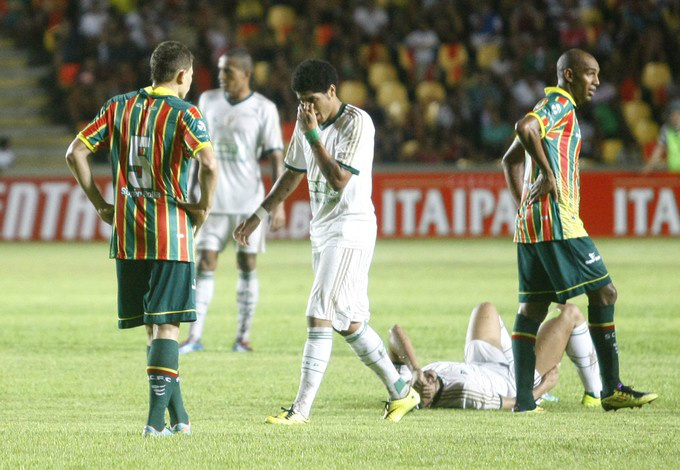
[[556, 259], [244, 126], [152, 134], [485, 380], [333, 144]]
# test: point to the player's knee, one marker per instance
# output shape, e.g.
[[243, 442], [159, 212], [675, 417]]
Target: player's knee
[[246, 261], [606, 295], [207, 261], [573, 313]]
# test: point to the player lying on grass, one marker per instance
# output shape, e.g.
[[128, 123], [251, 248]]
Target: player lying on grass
[[486, 379]]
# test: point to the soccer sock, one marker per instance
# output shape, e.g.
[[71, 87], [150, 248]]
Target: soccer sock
[[581, 351], [524, 351], [315, 358], [176, 405], [163, 359], [247, 294], [205, 287], [603, 333], [366, 344]]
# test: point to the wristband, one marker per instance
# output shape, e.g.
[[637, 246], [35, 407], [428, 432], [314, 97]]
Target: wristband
[[312, 135], [261, 213]]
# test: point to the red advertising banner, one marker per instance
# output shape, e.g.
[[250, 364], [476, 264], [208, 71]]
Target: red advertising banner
[[408, 205]]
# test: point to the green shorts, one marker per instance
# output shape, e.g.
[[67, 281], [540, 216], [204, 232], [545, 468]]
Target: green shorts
[[558, 270], [155, 292]]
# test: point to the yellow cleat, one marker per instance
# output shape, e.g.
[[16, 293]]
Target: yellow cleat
[[537, 410], [288, 417], [396, 409], [590, 401], [626, 397]]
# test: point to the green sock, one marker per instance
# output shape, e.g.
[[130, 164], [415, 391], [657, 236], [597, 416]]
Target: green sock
[[524, 352], [603, 333], [176, 405], [162, 361]]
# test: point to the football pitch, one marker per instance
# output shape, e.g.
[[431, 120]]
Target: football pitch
[[74, 393]]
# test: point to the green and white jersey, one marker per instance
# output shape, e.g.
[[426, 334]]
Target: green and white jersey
[[341, 218], [242, 132]]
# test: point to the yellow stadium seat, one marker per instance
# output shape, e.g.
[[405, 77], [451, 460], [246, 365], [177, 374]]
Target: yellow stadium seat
[[656, 75], [409, 150], [390, 92], [381, 72], [353, 92], [281, 18], [611, 148], [645, 131], [635, 111], [429, 91], [487, 54], [431, 113], [261, 73]]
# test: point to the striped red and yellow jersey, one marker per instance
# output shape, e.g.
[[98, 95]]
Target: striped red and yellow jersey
[[547, 219], [151, 135]]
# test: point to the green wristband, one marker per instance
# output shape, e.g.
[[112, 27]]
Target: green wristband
[[312, 135]]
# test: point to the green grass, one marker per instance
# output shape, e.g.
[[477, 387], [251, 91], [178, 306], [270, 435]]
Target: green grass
[[74, 394]]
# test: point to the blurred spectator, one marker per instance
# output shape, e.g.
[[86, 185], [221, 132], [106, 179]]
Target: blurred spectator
[[668, 144], [6, 154]]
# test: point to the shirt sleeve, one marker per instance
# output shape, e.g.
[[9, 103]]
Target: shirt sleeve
[[98, 131], [195, 134], [549, 111], [270, 131], [295, 156], [356, 138]]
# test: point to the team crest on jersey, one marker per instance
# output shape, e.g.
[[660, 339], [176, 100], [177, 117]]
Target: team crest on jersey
[[556, 108], [202, 126]]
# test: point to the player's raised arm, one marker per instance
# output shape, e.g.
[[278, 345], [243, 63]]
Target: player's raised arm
[[77, 161], [283, 187]]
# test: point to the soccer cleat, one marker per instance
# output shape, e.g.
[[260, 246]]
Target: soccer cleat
[[537, 410], [288, 417], [396, 409], [241, 346], [626, 397], [590, 401], [187, 347], [181, 429], [149, 431]]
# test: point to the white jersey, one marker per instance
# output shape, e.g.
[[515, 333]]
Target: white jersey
[[340, 218], [241, 133]]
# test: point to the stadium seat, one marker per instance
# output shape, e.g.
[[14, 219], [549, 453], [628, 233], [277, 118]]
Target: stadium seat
[[281, 19], [487, 54], [373, 53], [656, 75], [249, 10], [645, 131], [611, 149], [353, 92], [431, 113], [390, 92], [261, 73], [381, 72], [429, 91], [635, 111]]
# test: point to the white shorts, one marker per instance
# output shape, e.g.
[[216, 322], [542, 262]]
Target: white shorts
[[489, 357], [340, 289], [217, 231]]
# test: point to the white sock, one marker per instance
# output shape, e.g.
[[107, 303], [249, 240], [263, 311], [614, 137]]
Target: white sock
[[370, 348], [581, 351], [247, 294], [315, 358], [205, 287]]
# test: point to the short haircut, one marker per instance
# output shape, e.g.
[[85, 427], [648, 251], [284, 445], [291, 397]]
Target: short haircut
[[242, 57], [167, 59], [314, 75]]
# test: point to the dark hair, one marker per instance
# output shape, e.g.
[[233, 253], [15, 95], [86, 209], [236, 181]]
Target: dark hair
[[314, 75], [167, 59], [243, 58]]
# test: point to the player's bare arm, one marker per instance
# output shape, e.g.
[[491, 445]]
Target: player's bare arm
[[548, 382], [77, 161], [400, 349], [283, 187], [207, 181], [336, 176], [513, 168], [278, 214], [529, 133]]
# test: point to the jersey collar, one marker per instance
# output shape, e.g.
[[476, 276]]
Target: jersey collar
[[334, 118], [559, 91], [160, 91], [234, 102]]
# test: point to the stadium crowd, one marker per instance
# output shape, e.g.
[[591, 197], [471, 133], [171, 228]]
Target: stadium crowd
[[444, 81]]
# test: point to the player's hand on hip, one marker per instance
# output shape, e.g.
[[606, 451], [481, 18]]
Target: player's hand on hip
[[106, 213], [245, 229], [278, 218], [544, 184], [196, 213], [306, 117]]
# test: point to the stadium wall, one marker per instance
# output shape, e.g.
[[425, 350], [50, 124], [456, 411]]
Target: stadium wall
[[408, 205]]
